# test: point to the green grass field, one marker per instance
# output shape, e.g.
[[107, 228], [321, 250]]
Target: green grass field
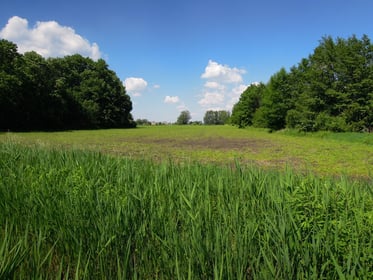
[[185, 203], [326, 154]]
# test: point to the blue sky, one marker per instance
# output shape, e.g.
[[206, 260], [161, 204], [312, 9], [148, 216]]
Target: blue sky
[[174, 55]]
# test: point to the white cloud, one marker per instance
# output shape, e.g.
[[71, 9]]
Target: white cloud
[[214, 85], [48, 38], [177, 101], [212, 98], [234, 95], [238, 90], [223, 86], [171, 99], [135, 86], [156, 86], [222, 73]]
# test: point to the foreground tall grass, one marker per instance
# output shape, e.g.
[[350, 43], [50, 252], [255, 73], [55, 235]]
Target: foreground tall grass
[[83, 215]]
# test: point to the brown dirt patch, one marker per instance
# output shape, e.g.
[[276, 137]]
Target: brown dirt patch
[[216, 143]]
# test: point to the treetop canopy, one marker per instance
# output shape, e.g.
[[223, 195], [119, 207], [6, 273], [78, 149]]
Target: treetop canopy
[[72, 92]]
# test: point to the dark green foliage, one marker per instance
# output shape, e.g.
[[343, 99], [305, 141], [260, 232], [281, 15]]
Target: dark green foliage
[[143, 122], [10, 82], [184, 117], [250, 100], [277, 100], [216, 117], [336, 91], [330, 90], [59, 93]]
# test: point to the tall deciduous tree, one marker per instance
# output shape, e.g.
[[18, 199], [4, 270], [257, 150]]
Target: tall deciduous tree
[[184, 117], [337, 88], [59, 93], [330, 90], [278, 99], [244, 110], [10, 85]]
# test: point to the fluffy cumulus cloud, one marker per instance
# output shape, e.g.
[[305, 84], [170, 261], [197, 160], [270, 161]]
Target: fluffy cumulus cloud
[[222, 73], [234, 95], [171, 99], [135, 86], [223, 87], [48, 38], [212, 98], [214, 85], [175, 100]]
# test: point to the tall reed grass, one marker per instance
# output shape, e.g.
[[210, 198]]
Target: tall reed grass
[[84, 215]]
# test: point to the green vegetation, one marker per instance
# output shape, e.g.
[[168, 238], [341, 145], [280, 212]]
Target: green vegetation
[[330, 90], [216, 117], [244, 110], [59, 93], [322, 153], [195, 202], [184, 117], [85, 215]]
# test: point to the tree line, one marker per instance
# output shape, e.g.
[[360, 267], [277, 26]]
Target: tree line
[[331, 90], [73, 92], [212, 117]]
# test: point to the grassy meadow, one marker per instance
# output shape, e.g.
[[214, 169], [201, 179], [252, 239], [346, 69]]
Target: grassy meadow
[[322, 153], [186, 203]]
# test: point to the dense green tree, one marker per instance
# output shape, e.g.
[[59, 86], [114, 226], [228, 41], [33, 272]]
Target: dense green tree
[[59, 93], [10, 85], [216, 117], [67, 72], [339, 83], [184, 117], [143, 122], [277, 100], [244, 110], [36, 100], [103, 97], [332, 89]]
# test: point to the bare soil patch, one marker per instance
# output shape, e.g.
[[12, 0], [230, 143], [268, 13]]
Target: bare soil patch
[[215, 143]]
